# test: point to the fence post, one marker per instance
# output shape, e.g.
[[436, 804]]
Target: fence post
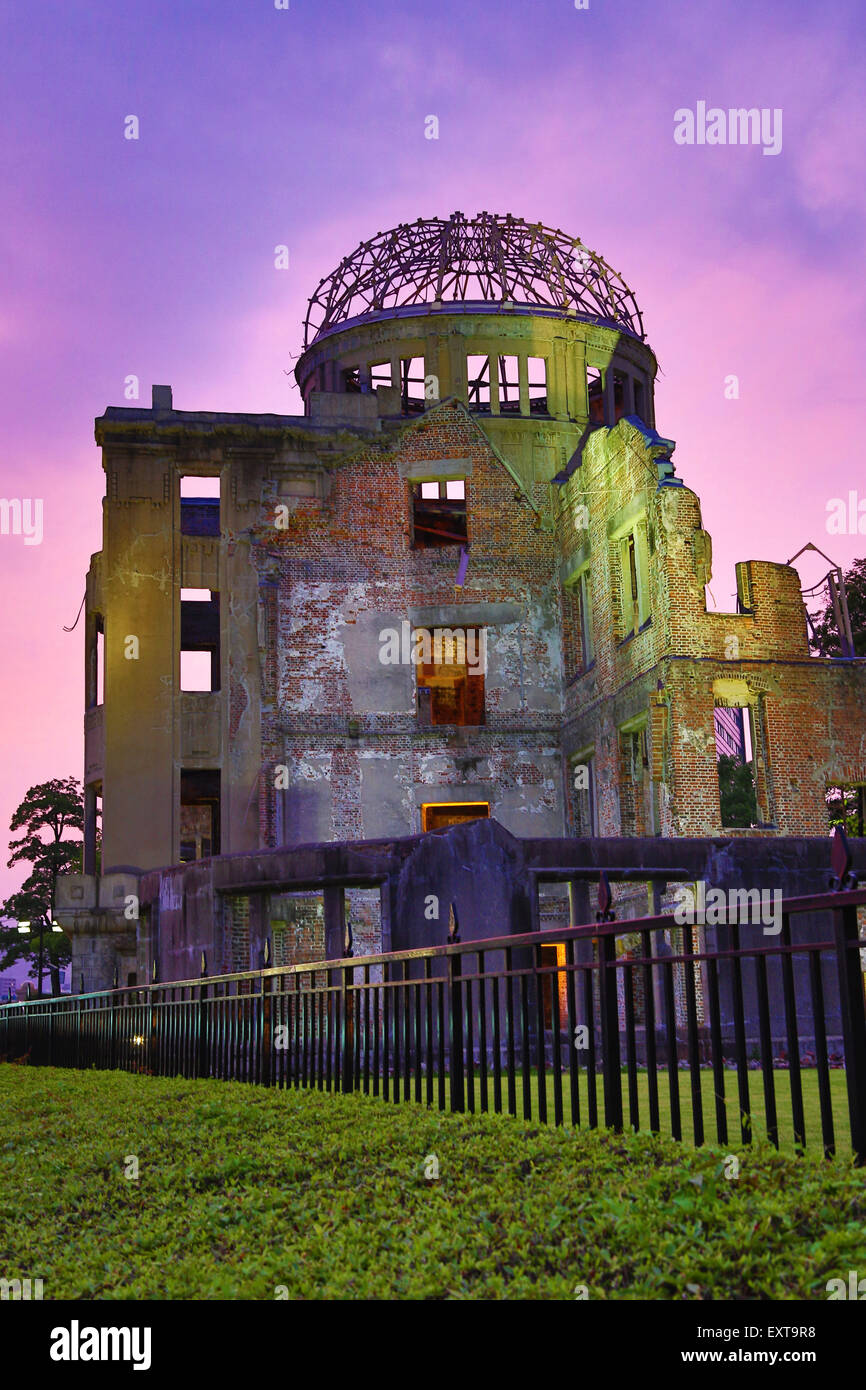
[[347, 1031], [609, 1010], [853, 1011], [267, 1009], [455, 1016], [201, 1065], [112, 1042], [608, 1007], [78, 1025]]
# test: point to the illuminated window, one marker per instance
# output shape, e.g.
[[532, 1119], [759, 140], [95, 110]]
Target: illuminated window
[[451, 684], [436, 814]]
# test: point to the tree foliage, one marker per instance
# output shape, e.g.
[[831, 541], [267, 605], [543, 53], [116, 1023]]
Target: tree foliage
[[47, 814], [826, 637], [737, 792]]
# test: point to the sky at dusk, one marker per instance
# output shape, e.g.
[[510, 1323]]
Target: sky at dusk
[[306, 127]]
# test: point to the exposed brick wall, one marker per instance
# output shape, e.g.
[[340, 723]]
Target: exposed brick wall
[[809, 713], [349, 555]]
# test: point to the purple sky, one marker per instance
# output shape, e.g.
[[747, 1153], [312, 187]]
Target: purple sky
[[306, 127]]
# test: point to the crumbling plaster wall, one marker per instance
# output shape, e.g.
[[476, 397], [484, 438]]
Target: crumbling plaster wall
[[343, 722]]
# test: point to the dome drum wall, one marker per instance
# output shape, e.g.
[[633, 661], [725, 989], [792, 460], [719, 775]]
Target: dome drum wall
[[528, 370]]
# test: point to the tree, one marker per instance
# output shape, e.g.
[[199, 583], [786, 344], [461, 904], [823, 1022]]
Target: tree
[[846, 805], [44, 817], [846, 808], [826, 638], [737, 792]]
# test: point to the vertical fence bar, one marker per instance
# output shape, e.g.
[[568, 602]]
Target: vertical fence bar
[[716, 1048], [406, 989], [526, 1068], [440, 1020], [367, 1012], [589, 1010], [853, 1011], [416, 1016], [652, 1076], [455, 1030], [470, 1047], [497, 1043], [571, 1006], [609, 1008], [692, 1036], [790, 1003], [347, 1008], [557, 1044], [428, 1027], [672, 1049], [541, 1071], [509, 1030], [740, 1038], [482, 1029], [766, 1039], [824, 1095]]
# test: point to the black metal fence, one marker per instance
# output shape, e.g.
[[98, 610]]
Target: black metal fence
[[530, 1025]]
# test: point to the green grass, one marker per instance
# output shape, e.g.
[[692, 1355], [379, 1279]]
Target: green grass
[[811, 1105], [244, 1189]]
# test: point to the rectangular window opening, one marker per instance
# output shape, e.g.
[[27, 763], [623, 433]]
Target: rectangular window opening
[[412, 399], [536, 368], [380, 375], [439, 514], [639, 402], [96, 672], [635, 786], [199, 640], [478, 384], [451, 682], [509, 386], [595, 394], [436, 814], [583, 789], [584, 597], [738, 800], [620, 402], [199, 814], [635, 580], [199, 505]]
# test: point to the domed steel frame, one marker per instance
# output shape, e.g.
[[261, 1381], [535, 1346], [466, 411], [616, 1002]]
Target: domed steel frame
[[488, 259]]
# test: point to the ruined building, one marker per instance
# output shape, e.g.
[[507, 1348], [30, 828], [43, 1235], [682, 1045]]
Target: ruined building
[[466, 582]]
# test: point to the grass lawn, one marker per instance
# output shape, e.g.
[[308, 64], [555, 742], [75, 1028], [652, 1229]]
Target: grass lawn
[[781, 1079], [242, 1190]]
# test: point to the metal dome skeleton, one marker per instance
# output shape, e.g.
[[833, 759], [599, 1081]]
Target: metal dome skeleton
[[488, 259]]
